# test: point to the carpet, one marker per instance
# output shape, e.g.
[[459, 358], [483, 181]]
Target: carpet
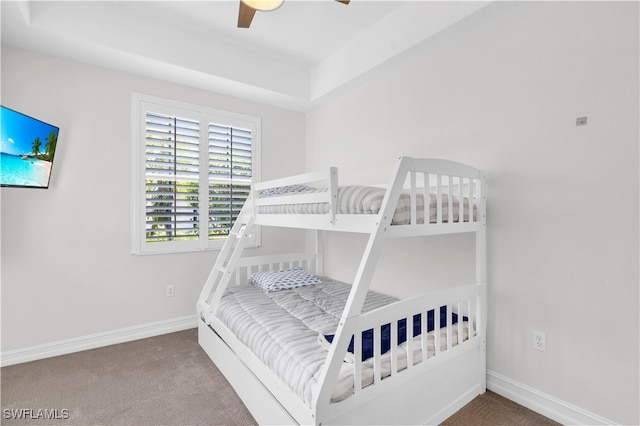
[[491, 409], [163, 380]]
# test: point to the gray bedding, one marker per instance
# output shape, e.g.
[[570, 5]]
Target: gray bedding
[[368, 200], [282, 327]]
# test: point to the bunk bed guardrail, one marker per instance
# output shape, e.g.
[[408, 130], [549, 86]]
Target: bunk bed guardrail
[[421, 352], [430, 194]]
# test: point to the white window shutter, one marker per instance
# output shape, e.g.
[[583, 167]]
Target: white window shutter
[[171, 178], [230, 176], [193, 168]]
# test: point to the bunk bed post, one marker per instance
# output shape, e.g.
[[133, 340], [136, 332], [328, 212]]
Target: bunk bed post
[[320, 239], [333, 189], [481, 275]]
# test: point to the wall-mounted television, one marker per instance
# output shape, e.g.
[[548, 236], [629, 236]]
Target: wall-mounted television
[[27, 149]]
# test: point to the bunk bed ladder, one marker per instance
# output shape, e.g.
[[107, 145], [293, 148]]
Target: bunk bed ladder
[[225, 264]]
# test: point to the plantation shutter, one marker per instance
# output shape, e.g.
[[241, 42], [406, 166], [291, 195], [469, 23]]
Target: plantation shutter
[[171, 178], [230, 174], [193, 167]]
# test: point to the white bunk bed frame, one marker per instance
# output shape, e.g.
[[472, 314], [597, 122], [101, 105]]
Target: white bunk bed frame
[[426, 392]]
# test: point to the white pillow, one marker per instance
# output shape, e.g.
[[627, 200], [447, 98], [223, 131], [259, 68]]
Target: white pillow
[[284, 279]]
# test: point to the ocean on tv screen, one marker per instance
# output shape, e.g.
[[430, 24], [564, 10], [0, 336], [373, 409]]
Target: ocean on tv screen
[[24, 171], [27, 147]]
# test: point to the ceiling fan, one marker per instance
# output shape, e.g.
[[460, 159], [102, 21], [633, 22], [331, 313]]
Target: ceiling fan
[[248, 9]]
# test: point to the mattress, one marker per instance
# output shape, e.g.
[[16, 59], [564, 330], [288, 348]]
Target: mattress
[[285, 330], [356, 199]]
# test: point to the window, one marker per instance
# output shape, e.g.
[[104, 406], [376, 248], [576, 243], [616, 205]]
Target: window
[[193, 168]]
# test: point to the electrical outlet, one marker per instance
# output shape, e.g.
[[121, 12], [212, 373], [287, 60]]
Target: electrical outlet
[[170, 290], [540, 341]]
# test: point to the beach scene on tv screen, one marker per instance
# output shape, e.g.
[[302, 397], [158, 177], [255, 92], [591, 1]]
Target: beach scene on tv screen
[[27, 149]]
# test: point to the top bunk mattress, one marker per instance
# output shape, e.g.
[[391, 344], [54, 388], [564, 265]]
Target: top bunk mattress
[[357, 199]]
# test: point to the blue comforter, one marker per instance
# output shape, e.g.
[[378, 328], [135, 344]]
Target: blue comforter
[[385, 335]]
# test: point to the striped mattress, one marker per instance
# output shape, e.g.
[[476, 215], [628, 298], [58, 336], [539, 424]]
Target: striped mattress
[[357, 199], [284, 329]]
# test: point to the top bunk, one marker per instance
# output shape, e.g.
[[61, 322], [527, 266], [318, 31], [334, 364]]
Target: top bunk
[[317, 201]]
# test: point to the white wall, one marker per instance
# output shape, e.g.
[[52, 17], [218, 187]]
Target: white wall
[[501, 90], [67, 267]]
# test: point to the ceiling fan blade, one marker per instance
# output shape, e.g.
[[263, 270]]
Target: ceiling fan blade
[[245, 15], [343, 1]]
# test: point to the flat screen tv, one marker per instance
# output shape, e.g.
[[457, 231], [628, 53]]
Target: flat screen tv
[[27, 151]]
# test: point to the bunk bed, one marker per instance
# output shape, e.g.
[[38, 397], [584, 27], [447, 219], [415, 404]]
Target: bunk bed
[[301, 348]]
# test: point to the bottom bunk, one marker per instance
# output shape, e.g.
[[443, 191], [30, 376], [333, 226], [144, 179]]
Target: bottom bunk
[[415, 361]]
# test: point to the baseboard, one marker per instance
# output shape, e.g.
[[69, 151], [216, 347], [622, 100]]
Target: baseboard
[[547, 405], [97, 340]]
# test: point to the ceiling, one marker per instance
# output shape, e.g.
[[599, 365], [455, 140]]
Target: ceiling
[[294, 57]]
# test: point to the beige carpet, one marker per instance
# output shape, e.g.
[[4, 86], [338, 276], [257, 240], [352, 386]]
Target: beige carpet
[[490, 409], [164, 380]]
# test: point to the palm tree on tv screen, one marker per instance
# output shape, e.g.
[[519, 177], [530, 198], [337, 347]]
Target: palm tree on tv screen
[[50, 146], [36, 146]]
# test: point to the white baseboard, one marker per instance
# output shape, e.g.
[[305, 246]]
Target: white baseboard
[[547, 405], [97, 340]]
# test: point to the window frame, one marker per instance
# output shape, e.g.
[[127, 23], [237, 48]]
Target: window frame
[[140, 105]]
